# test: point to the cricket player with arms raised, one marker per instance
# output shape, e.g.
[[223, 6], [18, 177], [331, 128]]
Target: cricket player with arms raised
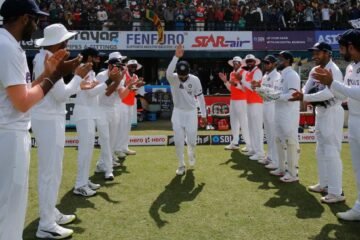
[[186, 90]]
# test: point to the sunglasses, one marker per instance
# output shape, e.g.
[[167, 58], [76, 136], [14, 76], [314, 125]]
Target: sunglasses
[[36, 19]]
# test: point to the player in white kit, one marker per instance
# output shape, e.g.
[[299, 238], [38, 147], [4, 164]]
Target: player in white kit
[[86, 113], [238, 105], [186, 90], [287, 116], [270, 77], [17, 96], [349, 43], [329, 124], [107, 124], [48, 125]]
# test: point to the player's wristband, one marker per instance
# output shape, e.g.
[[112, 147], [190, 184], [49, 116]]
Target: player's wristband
[[108, 82], [46, 85]]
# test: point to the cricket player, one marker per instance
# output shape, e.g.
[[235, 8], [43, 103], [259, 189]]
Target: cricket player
[[17, 96], [127, 93], [287, 116], [270, 77], [107, 124], [48, 125], [186, 90], [349, 43], [254, 108], [238, 105], [329, 124], [86, 112]]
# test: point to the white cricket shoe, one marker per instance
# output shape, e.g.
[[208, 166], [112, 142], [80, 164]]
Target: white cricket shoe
[[63, 219], [287, 178], [231, 146], [56, 232], [93, 186], [332, 198], [249, 153], [109, 176], [192, 162], [271, 166], [85, 191], [264, 161], [349, 215], [244, 149], [120, 154], [99, 169], [256, 157], [116, 164], [180, 171], [317, 188], [130, 152], [277, 172]]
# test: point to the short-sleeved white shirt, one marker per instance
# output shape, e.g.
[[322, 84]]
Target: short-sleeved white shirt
[[13, 71]]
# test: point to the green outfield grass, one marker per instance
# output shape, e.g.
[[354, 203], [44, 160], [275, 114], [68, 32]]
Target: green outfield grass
[[227, 196]]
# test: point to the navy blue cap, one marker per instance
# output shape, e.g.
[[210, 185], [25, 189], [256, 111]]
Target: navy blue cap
[[351, 36], [321, 46], [287, 55], [182, 68], [270, 58], [15, 8]]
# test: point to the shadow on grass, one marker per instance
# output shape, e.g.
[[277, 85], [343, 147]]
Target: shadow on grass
[[176, 192], [288, 194], [344, 230]]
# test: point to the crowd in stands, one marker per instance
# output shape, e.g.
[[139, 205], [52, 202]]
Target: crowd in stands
[[198, 15]]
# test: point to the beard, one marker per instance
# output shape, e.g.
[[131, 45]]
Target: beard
[[280, 67], [27, 32], [347, 57]]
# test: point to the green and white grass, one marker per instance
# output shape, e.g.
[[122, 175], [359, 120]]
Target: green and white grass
[[227, 196]]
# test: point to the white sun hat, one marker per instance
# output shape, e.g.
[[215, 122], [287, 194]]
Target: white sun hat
[[235, 59], [134, 62], [251, 57], [116, 55], [54, 34]]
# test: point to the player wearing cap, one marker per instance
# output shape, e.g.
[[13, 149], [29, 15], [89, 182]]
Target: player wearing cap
[[287, 116], [48, 125], [86, 113], [349, 43], [238, 105], [270, 77], [185, 89], [329, 124], [17, 96], [127, 93], [107, 124], [254, 107]]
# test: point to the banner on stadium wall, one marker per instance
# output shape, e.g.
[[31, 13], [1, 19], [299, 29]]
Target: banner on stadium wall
[[329, 37], [148, 40], [283, 40]]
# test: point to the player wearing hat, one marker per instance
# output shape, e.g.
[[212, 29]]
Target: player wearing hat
[[17, 96], [185, 89], [329, 124], [86, 113], [270, 77], [127, 93], [238, 105], [48, 125], [287, 116], [107, 123], [254, 107], [349, 43]]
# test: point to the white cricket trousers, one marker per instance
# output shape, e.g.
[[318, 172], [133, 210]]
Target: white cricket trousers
[[14, 173], [185, 125], [329, 131], [124, 127], [107, 126], [86, 132], [50, 138], [354, 139], [239, 120], [256, 131], [269, 127]]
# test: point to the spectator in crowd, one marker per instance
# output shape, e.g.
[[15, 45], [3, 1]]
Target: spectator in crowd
[[169, 17]]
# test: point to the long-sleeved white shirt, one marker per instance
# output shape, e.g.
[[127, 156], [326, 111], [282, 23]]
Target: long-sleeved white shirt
[[268, 80], [185, 94], [87, 101], [350, 88], [325, 94], [53, 104]]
